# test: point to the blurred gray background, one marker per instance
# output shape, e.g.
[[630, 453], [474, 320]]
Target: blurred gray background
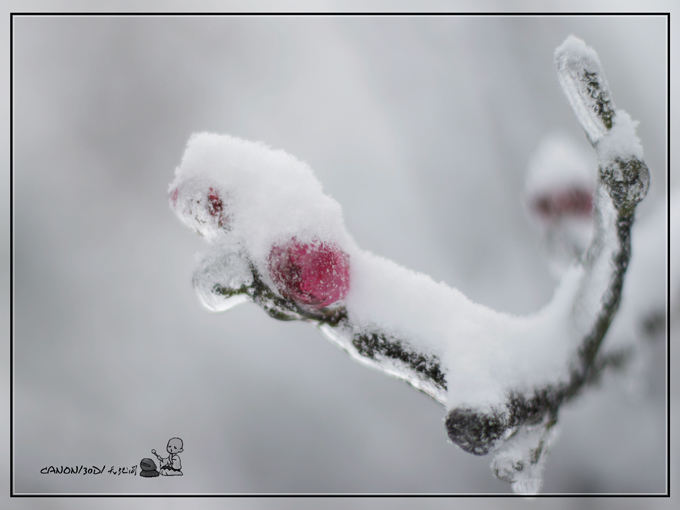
[[421, 127]]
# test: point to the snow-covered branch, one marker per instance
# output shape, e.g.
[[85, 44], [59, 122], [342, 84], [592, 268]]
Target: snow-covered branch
[[277, 240]]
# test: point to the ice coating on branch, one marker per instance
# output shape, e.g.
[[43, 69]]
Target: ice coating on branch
[[583, 81], [580, 74], [522, 459], [222, 277]]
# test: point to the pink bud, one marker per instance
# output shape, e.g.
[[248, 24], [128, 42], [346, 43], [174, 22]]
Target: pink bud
[[215, 207], [201, 208], [316, 274], [173, 197], [575, 202]]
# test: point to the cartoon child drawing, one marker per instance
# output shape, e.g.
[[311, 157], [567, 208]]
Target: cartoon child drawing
[[171, 465]]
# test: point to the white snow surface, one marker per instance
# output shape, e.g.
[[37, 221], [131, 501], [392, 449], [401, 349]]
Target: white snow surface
[[271, 196], [621, 141], [274, 197]]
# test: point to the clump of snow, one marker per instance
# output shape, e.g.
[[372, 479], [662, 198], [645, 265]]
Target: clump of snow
[[268, 195], [574, 49], [484, 352], [621, 141]]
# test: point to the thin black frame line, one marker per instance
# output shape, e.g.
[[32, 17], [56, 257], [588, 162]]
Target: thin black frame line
[[338, 14], [11, 254], [341, 495], [668, 268], [319, 14]]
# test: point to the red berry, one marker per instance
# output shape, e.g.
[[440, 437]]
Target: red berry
[[571, 202], [215, 203], [215, 207], [315, 275]]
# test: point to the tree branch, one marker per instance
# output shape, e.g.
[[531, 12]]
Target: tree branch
[[502, 378]]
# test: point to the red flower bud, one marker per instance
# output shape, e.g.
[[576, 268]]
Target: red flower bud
[[201, 209], [173, 197], [575, 202], [215, 207], [316, 274]]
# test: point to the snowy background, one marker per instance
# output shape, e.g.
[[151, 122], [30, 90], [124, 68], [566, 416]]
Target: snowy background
[[420, 127]]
